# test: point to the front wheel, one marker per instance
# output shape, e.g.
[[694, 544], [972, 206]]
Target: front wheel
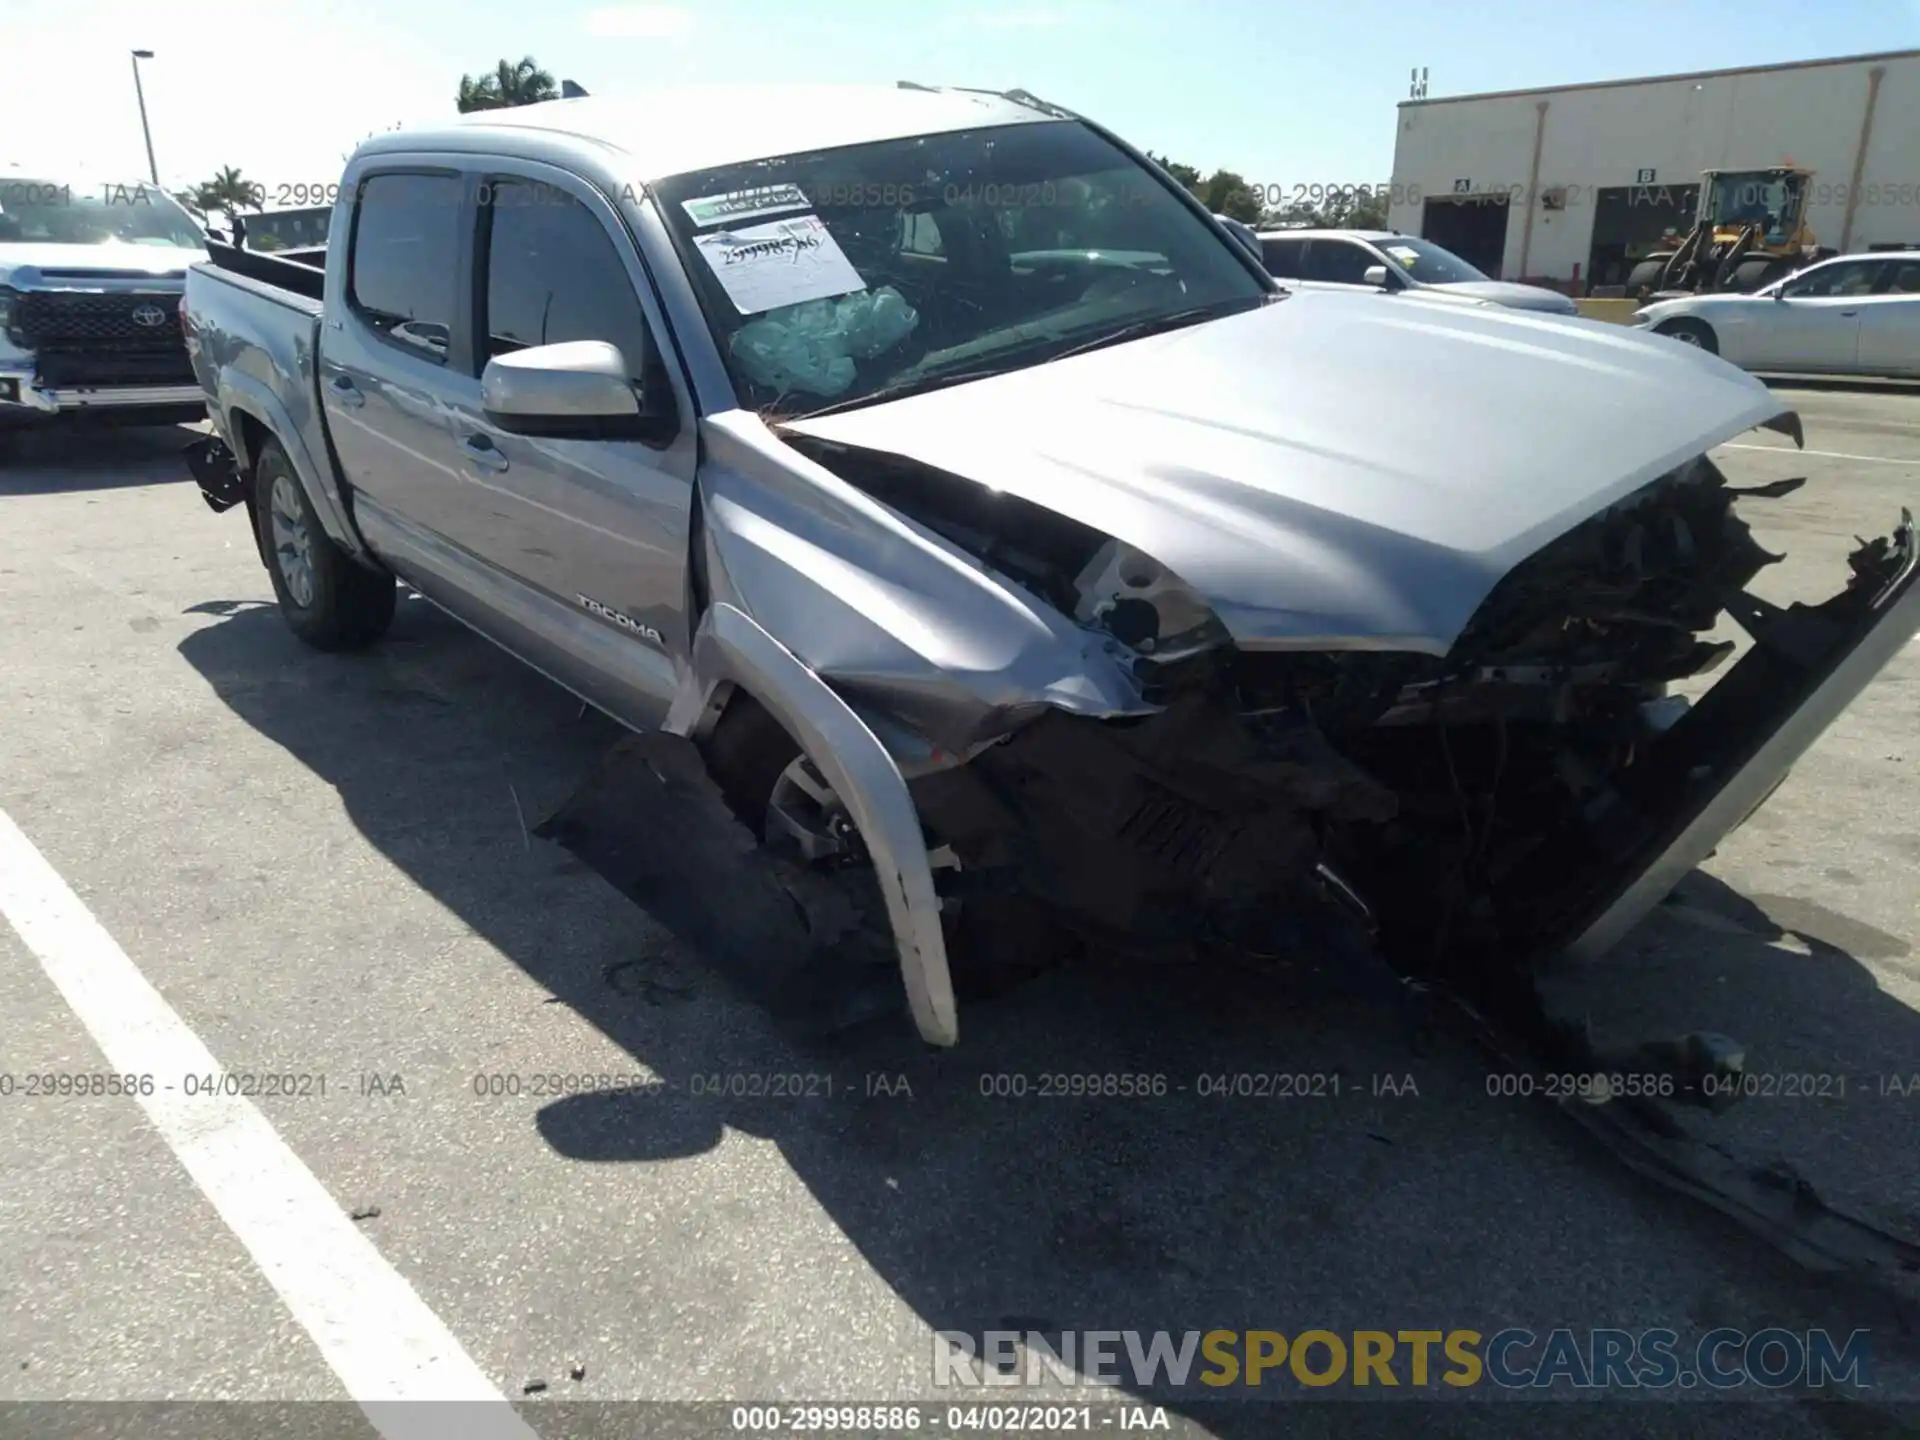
[[1647, 275], [1752, 275], [1690, 332], [995, 941], [329, 600]]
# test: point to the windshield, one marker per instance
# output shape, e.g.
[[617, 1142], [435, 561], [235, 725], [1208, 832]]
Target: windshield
[[1749, 197], [1427, 262], [60, 212], [829, 277]]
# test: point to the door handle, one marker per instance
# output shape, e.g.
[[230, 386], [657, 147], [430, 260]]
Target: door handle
[[1849, 314], [483, 454], [347, 393]]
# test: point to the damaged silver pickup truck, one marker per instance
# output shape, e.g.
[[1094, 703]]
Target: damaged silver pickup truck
[[993, 561]]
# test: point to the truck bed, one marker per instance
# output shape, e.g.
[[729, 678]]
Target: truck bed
[[297, 277], [254, 323]]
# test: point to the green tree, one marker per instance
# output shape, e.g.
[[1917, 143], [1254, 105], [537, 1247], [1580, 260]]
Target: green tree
[[1227, 193], [510, 84], [1185, 174], [1224, 191], [1354, 209], [229, 190]]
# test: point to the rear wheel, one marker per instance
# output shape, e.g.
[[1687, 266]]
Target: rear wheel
[[330, 600], [1691, 332]]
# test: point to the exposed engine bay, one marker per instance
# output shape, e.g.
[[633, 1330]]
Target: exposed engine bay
[[1463, 817], [1458, 808]]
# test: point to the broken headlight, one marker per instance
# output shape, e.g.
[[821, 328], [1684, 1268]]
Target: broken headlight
[[1144, 605]]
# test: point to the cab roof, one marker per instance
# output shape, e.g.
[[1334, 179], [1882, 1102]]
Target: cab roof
[[678, 129], [1309, 234]]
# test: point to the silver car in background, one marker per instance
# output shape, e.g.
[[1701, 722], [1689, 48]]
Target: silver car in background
[[1395, 264], [1851, 315]]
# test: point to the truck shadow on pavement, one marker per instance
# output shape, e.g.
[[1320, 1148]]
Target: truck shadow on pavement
[[47, 462], [1396, 1192]]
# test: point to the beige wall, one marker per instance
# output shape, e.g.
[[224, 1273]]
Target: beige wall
[[1601, 137]]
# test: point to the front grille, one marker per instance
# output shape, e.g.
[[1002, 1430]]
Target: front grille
[[1175, 832], [80, 320], [68, 369]]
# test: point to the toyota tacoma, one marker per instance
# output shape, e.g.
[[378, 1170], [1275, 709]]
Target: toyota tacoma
[[992, 561]]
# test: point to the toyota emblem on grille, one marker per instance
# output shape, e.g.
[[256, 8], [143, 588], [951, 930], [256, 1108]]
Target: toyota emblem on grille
[[149, 316]]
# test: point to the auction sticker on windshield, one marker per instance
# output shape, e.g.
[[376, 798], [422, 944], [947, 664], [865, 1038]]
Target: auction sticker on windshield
[[705, 210], [781, 263], [1405, 256]]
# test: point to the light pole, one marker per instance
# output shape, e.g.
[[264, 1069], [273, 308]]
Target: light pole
[[139, 55]]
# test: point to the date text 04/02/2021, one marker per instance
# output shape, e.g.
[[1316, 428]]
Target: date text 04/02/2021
[[1009, 1418]]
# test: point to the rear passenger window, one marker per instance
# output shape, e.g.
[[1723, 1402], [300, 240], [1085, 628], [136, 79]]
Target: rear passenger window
[[406, 256], [1282, 257], [553, 274]]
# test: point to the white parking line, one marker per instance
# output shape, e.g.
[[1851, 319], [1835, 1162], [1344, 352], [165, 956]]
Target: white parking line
[[372, 1328], [1823, 454]]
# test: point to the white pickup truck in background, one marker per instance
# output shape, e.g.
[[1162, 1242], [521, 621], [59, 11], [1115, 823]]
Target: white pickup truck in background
[[91, 275]]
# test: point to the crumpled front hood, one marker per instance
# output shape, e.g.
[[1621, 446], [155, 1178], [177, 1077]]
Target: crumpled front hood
[[1329, 471], [24, 265]]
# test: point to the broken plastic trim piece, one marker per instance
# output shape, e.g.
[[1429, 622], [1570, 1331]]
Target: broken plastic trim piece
[[1768, 1198], [1787, 423], [1830, 668], [216, 470]]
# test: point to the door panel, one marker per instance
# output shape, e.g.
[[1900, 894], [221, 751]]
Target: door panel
[[389, 371], [1816, 323], [1890, 323], [581, 520]]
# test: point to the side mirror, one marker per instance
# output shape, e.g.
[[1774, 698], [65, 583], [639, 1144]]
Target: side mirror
[[1375, 275], [578, 390]]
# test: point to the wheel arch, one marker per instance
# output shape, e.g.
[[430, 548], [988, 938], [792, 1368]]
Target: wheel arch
[[253, 415], [731, 653]]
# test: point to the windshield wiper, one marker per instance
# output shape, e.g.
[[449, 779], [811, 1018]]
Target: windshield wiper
[[1158, 324], [899, 391]]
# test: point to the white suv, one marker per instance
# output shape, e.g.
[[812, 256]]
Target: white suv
[[1388, 261]]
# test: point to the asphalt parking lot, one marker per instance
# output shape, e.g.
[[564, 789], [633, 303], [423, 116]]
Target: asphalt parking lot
[[323, 867]]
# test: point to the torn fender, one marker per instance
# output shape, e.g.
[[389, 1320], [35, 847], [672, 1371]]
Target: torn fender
[[731, 649], [898, 619]]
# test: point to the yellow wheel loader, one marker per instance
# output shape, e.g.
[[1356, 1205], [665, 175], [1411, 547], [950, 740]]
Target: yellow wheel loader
[[1750, 230]]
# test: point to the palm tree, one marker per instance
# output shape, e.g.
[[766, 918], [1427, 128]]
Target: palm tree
[[229, 190], [510, 84]]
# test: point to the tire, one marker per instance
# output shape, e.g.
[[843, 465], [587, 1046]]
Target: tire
[[1751, 275], [1646, 275], [328, 599], [994, 942], [1691, 332]]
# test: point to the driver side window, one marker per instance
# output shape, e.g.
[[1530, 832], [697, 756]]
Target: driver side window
[[1340, 261], [1856, 278]]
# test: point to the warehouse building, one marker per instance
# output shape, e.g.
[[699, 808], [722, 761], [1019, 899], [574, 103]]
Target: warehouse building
[[1575, 183]]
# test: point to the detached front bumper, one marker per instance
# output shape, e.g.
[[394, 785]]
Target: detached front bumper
[[1731, 751]]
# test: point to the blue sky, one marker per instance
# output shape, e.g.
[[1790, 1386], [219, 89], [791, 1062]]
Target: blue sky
[[1285, 93]]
